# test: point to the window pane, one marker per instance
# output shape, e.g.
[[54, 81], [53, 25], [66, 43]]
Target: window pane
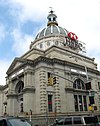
[[90, 120], [60, 122], [18, 122], [83, 86], [80, 103], [76, 102], [68, 121], [2, 123], [85, 103], [99, 85], [79, 84], [74, 85], [41, 45], [50, 103], [77, 120]]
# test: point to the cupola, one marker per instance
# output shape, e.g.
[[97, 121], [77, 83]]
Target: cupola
[[52, 19]]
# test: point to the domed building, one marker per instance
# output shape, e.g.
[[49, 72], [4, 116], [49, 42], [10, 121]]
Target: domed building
[[53, 77], [53, 34]]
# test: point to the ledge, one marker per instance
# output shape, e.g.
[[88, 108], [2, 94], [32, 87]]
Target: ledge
[[29, 89], [12, 95], [76, 90]]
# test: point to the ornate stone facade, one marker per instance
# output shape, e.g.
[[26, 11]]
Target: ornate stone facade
[[27, 87]]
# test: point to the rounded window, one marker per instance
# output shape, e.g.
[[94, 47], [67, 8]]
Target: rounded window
[[56, 43], [41, 45], [48, 43], [19, 87], [79, 84]]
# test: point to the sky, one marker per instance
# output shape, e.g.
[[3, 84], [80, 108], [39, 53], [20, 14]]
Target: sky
[[21, 20]]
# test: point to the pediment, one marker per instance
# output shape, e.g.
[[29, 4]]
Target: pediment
[[17, 62]]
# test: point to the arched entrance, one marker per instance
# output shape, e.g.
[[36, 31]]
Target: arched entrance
[[19, 92]]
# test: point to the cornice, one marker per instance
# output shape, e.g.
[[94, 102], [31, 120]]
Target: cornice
[[47, 60], [76, 90], [12, 95], [2, 87], [63, 62], [29, 89], [23, 61]]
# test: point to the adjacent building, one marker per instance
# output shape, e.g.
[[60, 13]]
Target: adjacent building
[[53, 76]]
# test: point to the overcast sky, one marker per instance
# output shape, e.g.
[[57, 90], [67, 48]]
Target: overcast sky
[[21, 20]]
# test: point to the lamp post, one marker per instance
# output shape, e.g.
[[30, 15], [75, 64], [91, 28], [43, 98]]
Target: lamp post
[[30, 115]]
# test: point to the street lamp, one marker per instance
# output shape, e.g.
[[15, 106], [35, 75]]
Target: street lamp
[[30, 115]]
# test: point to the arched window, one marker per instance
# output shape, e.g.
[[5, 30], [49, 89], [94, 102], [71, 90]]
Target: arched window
[[80, 100], [79, 84], [19, 87]]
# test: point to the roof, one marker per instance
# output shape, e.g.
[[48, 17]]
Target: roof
[[52, 28]]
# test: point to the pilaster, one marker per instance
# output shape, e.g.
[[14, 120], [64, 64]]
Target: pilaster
[[43, 97], [12, 104], [57, 95], [28, 77]]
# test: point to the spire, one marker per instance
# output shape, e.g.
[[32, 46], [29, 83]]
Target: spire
[[52, 18]]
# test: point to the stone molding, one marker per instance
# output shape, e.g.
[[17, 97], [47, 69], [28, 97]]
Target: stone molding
[[29, 89]]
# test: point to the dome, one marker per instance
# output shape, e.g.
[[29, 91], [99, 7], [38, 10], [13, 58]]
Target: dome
[[52, 28], [54, 35]]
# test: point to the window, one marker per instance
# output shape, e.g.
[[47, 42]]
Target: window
[[91, 120], [85, 103], [48, 43], [76, 102], [54, 19], [77, 120], [2, 123], [99, 85], [60, 122], [56, 42], [68, 121], [79, 84], [49, 19], [80, 103], [50, 103], [18, 122], [41, 45], [19, 87], [80, 100]]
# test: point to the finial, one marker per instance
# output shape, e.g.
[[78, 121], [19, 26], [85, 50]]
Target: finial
[[51, 11], [51, 18]]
